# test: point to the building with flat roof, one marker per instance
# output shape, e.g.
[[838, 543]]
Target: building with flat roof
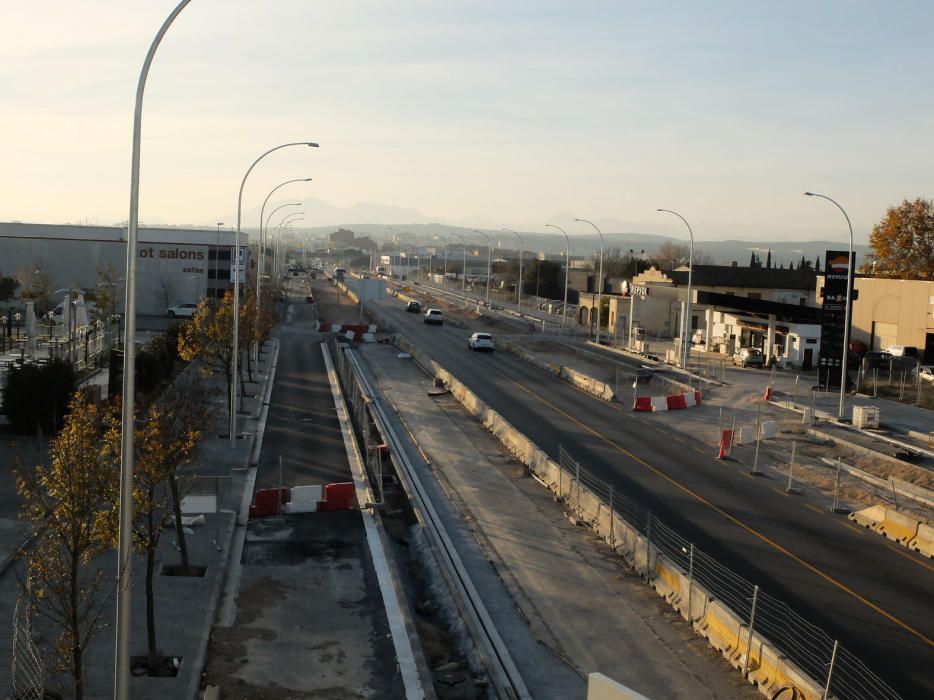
[[173, 265]]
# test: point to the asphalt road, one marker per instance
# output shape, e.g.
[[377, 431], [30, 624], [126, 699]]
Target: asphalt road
[[876, 598], [302, 427]]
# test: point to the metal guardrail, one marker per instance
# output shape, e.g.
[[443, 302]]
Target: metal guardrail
[[814, 651], [372, 425]]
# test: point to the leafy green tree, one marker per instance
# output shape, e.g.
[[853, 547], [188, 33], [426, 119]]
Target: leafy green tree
[[36, 397], [70, 506], [8, 287], [903, 242]]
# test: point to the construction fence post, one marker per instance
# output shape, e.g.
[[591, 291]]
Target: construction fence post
[[833, 662], [752, 622], [648, 544]]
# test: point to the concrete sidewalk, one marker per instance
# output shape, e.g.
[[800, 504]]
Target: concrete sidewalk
[[184, 605], [574, 595]]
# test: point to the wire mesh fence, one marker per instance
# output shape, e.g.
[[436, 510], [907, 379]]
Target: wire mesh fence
[[816, 653]]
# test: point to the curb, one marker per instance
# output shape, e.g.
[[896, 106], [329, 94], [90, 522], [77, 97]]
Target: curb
[[226, 559]]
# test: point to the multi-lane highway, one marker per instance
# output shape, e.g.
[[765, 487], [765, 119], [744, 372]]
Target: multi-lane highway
[[878, 600]]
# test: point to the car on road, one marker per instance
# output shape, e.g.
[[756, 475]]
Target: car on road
[[746, 357], [481, 341], [434, 316], [414, 307], [181, 311]]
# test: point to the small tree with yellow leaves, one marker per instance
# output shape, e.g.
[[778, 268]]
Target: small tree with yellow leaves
[[70, 504], [164, 441], [208, 337]]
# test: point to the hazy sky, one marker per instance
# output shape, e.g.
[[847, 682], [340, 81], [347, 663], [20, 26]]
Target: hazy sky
[[508, 113]]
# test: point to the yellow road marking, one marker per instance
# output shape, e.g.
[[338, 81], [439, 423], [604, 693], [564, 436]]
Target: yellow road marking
[[779, 491], [903, 553], [732, 518], [814, 508]]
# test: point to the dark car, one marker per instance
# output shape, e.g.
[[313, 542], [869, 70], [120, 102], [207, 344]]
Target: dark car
[[413, 307], [877, 359]]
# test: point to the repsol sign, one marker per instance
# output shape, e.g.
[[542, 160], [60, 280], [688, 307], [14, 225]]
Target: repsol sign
[[171, 253]]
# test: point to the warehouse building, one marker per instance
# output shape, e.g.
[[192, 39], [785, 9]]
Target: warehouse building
[[173, 265]]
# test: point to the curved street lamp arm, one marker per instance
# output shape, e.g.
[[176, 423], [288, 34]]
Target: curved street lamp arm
[[686, 321]]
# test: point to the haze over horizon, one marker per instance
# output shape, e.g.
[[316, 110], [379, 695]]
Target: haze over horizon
[[473, 114]]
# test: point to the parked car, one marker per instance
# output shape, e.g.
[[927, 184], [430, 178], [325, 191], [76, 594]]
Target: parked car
[[480, 341], [413, 307], [434, 316], [877, 359], [745, 357], [181, 311]]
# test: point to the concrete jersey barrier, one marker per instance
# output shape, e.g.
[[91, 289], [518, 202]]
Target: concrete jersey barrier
[[923, 542]]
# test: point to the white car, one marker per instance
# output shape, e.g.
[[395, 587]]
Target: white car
[[480, 341], [926, 373], [181, 311], [434, 316]]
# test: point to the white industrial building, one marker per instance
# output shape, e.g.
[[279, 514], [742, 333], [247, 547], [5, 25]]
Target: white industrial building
[[173, 265]]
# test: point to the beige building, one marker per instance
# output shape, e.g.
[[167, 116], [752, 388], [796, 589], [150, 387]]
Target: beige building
[[894, 312]]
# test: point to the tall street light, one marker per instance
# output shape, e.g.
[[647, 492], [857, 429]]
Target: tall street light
[[519, 285], [236, 304], [286, 220], [600, 274], [125, 536], [567, 269], [489, 264], [686, 321], [464, 263], [261, 262], [266, 229], [849, 287]]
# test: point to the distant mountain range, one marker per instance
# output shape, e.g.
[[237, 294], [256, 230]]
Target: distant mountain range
[[384, 222]]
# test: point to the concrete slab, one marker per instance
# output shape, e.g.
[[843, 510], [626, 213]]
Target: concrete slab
[[310, 620]]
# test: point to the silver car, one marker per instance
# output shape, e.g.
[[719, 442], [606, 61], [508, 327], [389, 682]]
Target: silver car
[[744, 357], [480, 341]]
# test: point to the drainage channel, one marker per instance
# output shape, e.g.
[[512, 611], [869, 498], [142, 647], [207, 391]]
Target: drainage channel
[[505, 678]]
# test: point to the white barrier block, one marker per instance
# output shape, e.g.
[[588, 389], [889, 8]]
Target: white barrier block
[[305, 499], [690, 399], [768, 429], [744, 434], [368, 337], [199, 504], [659, 403]]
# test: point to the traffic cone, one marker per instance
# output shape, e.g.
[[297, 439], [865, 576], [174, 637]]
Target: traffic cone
[[722, 453], [768, 393]]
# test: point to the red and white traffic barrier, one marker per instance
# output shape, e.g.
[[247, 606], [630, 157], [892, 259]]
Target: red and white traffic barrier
[[668, 403]]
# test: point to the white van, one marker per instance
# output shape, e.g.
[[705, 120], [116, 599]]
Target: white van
[[905, 351], [339, 273]]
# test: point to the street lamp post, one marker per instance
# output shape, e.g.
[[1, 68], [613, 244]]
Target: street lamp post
[[275, 256], [125, 531], [489, 264], [519, 284], [283, 226], [261, 257], [849, 287], [599, 275], [686, 321], [236, 300], [567, 269]]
